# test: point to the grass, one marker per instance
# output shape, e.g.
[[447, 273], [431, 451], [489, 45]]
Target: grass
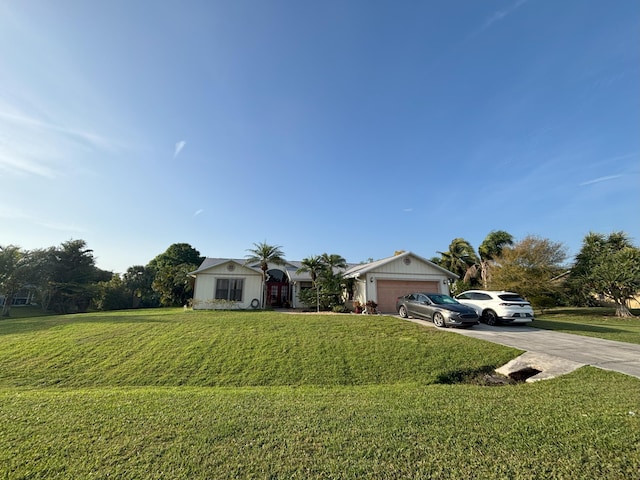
[[599, 322], [204, 349], [27, 311], [173, 394]]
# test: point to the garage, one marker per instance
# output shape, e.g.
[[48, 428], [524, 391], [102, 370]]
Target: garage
[[383, 281], [388, 291]]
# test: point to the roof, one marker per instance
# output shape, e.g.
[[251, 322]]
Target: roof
[[368, 267], [291, 267], [353, 270], [214, 262]]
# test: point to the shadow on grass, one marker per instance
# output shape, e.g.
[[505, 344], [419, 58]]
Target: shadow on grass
[[12, 326], [574, 327], [581, 312]]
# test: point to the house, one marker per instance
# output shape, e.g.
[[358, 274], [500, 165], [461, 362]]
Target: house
[[232, 283], [25, 296]]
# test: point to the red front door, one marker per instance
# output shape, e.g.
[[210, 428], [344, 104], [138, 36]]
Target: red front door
[[277, 294]]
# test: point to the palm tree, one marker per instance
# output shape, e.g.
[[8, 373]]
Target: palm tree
[[333, 261], [264, 254], [314, 266], [333, 280], [490, 250], [460, 258]]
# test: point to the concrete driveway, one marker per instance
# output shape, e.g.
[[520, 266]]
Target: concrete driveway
[[555, 353]]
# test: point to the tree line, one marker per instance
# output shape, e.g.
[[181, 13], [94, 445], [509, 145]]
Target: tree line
[[607, 267], [65, 279]]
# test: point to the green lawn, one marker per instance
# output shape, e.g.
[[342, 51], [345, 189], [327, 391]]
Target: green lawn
[[189, 395], [598, 322]]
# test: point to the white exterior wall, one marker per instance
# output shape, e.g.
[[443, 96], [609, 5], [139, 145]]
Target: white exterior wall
[[359, 291], [296, 287], [205, 288]]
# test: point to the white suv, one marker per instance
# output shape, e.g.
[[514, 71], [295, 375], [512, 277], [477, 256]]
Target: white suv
[[498, 307]]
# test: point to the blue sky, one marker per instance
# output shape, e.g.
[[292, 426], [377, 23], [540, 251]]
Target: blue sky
[[350, 127]]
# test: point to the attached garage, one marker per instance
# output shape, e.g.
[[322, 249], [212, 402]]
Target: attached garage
[[390, 290], [383, 281]]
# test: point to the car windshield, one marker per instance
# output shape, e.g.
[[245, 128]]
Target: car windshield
[[511, 297], [441, 299]]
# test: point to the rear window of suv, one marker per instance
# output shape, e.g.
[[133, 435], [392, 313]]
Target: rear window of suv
[[511, 298]]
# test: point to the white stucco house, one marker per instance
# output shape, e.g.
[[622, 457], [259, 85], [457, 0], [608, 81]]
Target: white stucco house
[[231, 283]]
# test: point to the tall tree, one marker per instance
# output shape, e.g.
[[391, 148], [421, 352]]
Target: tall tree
[[171, 269], [138, 281], [264, 254], [333, 261], [174, 285], [332, 279], [460, 259], [327, 279], [112, 295], [44, 263], [73, 276], [177, 254], [15, 273], [313, 266], [608, 265], [489, 250], [529, 267]]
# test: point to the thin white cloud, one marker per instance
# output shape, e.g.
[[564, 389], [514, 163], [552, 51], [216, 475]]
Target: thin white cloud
[[198, 212], [501, 14], [407, 210], [29, 123], [622, 157], [600, 179], [19, 164], [11, 213], [30, 146], [179, 146]]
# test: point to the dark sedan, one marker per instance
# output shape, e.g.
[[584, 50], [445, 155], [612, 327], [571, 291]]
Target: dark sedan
[[442, 310]]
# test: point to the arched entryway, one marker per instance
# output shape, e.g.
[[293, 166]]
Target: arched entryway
[[278, 289]]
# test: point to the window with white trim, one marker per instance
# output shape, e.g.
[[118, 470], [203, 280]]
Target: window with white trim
[[229, 289]]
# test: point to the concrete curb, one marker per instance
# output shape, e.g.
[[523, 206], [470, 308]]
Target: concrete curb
[[548, 366]]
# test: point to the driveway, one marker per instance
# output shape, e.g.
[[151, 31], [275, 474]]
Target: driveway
[[554, 353]]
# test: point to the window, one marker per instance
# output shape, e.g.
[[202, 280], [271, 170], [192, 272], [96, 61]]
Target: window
[[229, 289], [511, 298], [478, 296]]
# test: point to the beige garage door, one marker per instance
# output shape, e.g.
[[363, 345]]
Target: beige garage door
[[390, 290]]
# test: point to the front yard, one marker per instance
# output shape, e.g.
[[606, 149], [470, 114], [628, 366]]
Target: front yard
[[187, 395]]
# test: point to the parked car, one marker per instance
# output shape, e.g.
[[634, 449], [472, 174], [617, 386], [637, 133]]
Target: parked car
[[441, 309], [495, 308]]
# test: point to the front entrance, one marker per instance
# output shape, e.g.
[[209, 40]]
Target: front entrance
[[278, 291]]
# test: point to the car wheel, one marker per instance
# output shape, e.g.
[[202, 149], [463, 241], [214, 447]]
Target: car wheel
[[403, 311], [490, 317], [438, 320]]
